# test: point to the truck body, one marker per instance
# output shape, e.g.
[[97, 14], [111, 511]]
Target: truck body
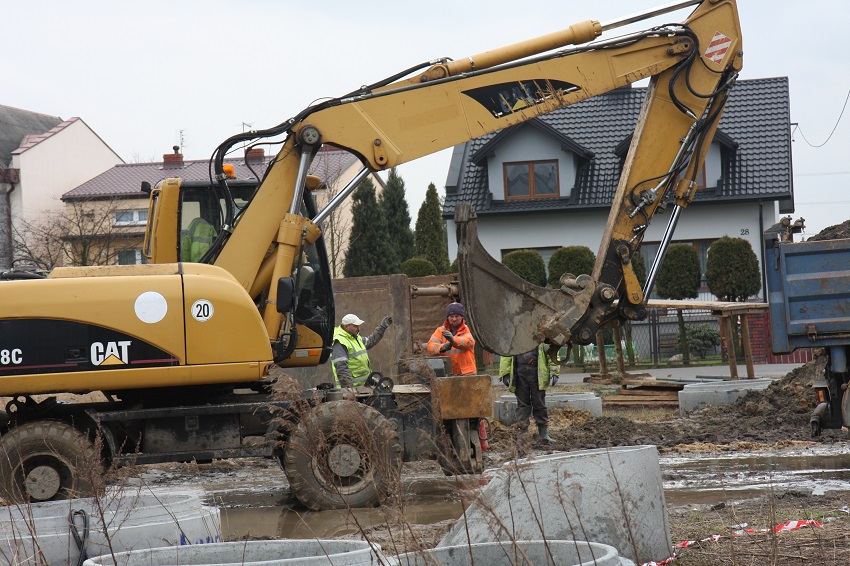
[[809, 297]]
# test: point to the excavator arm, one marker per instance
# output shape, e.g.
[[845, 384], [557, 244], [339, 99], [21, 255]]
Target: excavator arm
[[444, 103]]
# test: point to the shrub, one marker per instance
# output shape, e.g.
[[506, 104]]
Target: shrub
[[703, 338], [418, 267], [577, 260], [732, 269], [528, 264]]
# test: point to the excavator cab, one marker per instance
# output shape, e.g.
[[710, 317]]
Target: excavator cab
[[186, 216]]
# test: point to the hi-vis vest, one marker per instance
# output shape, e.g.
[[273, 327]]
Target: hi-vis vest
[[196, 240], [358, 359]]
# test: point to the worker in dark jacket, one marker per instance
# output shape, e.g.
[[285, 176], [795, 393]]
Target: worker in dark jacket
[[528, 376], [350, 361]]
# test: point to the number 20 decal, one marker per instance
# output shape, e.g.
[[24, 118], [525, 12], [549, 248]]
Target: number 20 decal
[[202, 310]]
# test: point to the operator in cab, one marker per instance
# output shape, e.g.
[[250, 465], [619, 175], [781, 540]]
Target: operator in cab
[[350, 360], [454, 339]]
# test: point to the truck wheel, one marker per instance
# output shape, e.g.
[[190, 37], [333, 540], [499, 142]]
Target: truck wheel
[[43, 460], [342, 454], [461, 452]]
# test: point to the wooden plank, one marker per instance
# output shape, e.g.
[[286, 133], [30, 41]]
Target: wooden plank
[[649, 392], [631, 383], [720, 306], [642, 399], [639, 403]]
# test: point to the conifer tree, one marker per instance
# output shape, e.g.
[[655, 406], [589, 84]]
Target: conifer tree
[[369, 249], [431, 232], [397, 213], [679, 278]]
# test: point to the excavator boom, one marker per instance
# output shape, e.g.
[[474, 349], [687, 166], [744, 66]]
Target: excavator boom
[[424, 110]]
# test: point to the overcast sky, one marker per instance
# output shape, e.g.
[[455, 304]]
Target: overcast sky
[[140, 73]]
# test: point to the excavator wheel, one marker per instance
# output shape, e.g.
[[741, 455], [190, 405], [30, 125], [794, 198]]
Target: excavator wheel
[[46, 460], [343, 454], [460, 449]]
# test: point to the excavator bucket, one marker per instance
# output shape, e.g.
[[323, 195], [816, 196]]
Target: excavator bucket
[[508, 315]]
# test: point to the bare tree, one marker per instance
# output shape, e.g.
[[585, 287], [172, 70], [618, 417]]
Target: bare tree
[[83, 233], [337, 226]]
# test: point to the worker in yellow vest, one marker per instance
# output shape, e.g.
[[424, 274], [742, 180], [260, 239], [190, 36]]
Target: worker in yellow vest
[[350, 360]]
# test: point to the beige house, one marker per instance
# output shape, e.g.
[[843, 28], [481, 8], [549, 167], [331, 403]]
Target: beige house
[[41, 158], [116, 203]]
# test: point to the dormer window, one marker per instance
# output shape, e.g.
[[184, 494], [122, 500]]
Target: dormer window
[[531, 179]]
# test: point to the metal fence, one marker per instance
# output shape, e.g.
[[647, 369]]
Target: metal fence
[[654, 340]]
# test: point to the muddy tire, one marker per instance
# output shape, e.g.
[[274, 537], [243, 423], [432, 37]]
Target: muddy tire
[[460, 451], [45, 461], [342, 454]]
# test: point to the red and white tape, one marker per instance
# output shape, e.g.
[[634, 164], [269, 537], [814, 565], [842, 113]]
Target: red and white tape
[[783, 528]]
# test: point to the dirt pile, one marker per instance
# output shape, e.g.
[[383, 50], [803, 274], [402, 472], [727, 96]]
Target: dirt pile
[[836, 232], [777, 414]]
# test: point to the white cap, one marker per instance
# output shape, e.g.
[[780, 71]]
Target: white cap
[[352, 319]]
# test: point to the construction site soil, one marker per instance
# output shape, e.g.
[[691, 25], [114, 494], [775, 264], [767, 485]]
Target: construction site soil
[[768, 422]]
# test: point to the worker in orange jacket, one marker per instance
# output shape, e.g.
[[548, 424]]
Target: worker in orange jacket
[[454, 339]]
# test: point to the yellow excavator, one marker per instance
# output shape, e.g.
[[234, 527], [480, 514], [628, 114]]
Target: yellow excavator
[[238, 279]]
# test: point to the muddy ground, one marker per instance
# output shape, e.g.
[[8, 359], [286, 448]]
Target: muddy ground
[[772, 420]]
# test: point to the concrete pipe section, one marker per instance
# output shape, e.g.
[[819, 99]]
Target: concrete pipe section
[[504, 408], [537, 552], [292, 552], [695, 396], [613, 496], [56, 532]]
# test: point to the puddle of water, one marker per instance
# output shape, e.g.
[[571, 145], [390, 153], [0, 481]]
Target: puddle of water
[[427, 500], [258, 503], [708, 479]]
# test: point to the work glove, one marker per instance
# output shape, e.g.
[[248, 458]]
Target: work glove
[[553, 378], [449, 336], [386, 322], [506, 379], [445, 347]]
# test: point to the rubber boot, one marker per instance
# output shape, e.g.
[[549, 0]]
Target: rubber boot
[[543, 433]]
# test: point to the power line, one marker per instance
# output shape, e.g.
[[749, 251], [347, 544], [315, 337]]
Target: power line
[[824, 174], [797, 126]]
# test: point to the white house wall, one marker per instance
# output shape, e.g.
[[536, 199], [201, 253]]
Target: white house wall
[[510, 232], [527, 144], [56, 165]]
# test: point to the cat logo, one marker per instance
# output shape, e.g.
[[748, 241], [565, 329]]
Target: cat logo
[[110, 354]]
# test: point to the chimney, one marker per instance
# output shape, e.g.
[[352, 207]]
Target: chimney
[[173, 159], [255, 154]]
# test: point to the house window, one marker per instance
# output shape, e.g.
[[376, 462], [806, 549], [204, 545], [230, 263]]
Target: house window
[[130, 256], [131, 217], [531, 179]]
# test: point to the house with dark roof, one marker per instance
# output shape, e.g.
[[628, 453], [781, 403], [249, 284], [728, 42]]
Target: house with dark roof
[[117, 193], [42, 157], [549, 182]]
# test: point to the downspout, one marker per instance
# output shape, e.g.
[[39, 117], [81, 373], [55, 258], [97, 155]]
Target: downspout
[[761, 240], [10, 248]]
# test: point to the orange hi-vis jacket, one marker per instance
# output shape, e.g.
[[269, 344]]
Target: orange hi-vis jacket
[[463, 352]]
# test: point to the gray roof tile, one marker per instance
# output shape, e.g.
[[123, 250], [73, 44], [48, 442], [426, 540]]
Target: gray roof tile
[[16, 125], [756, 119]]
